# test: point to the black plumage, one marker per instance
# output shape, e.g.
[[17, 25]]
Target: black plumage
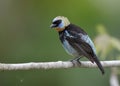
[[75, 40], [81, 46]]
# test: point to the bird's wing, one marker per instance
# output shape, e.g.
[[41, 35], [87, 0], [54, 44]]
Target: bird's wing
[[82, 42]]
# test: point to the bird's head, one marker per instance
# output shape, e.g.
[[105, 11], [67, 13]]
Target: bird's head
[[59, 23]]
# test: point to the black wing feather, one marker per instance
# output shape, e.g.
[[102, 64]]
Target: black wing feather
[[83, 48]]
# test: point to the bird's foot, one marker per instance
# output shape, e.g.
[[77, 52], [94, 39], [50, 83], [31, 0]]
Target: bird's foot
[[76, 61]]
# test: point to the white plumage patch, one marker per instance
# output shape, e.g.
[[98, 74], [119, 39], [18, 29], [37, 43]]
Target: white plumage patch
[[69, 49], [87, 39], [67, 34]]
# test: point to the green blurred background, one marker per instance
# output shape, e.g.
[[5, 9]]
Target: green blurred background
[[25, 36]]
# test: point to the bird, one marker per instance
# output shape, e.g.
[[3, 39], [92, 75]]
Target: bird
[[75, 40]]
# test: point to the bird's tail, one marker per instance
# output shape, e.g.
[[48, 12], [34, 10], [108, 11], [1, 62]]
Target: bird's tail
[[99, 64]]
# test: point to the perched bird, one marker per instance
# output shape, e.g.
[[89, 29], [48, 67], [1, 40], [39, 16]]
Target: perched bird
[[75, 40]]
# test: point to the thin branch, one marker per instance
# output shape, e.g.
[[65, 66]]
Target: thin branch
[[55, 65], [114, 81]]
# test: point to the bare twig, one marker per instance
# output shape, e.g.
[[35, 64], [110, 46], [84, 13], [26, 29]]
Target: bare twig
[[55, 65], [114, 77]]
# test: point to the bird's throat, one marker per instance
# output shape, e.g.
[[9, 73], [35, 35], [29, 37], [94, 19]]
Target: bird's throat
[[59, 29]]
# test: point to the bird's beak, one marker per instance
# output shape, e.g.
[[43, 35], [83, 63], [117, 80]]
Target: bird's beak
[[52, 25]]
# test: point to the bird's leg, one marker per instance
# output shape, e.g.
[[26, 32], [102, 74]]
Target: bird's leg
[[76, 61]]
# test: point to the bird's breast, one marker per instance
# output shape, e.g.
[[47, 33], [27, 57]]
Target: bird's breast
[[69, 49]]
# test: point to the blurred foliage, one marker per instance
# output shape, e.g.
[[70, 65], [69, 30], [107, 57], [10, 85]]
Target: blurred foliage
[[106, 45], [25, 37]]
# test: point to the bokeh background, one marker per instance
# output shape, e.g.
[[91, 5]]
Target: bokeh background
[[25, 36]]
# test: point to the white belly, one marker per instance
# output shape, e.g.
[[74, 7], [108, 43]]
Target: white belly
[[69, 49]]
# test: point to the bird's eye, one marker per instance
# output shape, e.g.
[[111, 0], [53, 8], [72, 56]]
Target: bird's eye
[[57, 22]]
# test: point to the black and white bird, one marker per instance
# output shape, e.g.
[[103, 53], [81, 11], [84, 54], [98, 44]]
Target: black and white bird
[[75, 40]]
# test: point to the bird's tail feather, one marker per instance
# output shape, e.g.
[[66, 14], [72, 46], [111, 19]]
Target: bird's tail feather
[[99, 64]]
